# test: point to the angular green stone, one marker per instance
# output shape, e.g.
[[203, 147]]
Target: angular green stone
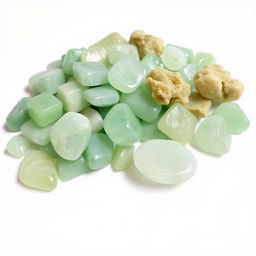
[[90, 73], [236, 120], [142, 104], [188, 52], [101, 96], [95, 118], [72, 56], [98, 153], [212, 136], [18, 115], [150, 61], [54, 64], [103, 111], [95, 54], [203, 59], [122, 157], [189, 72], [44, 109], [68, 170], [178, 123]]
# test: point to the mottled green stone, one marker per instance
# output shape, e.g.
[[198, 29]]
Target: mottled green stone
[[203, 59], [95, 54], [150, 61], [122, 157], [72, 56]]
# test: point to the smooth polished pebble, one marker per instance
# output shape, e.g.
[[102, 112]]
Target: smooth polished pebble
[[54, 64], [150, 61], [165, 161], [95, 118], [203, 59], [122, 157], [72, 56], [95, 54]]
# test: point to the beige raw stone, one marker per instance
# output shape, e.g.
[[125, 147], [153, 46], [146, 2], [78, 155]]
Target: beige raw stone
[[215, 83], [146, 43]]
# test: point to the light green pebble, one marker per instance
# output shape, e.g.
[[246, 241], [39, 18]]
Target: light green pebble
[[54, 64], [203, 59], [150, 61], [72, 56], [122, 157], [188, 52], [95, 118], [189, 72], [95, 54]]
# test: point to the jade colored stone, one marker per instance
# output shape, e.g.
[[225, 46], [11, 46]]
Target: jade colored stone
[[38, 171], [126, 75], [121, 125], [189, 72], [70, 135], [212, 136], [236, 120], [39, 135], [95, 54], [44, 109], [71, 95], [54, 64], [68, 170], [72, 56], [18, 115], [90, 73], [188, 52], [203, 59], [142, 104], [178, 123], [95, 118], [48, 148], [122, 157], [150, 61], [98, 153], [165, 161], [101, 96], [103, 111]]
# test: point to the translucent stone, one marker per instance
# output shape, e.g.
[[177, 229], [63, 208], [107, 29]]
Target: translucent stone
[[70, 135], [142, 104], [95, 54], [150, 62], [212, 136], [118, 51], [203, 59], [178, 123], [122, 157], [48, 148], [39, 135], [121, 125], [101, 96], [44, 109], [103, 111], [18, 115], [236, 120], [54, 64], [38, 171], [188, 52], [189, 72], [72, 56], [68, 170], [126, 75], [90, 73], [165, 161], [174, 58], [99, 151], [71, 95], [95, 119]]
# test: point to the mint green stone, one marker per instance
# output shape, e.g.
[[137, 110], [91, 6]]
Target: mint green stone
[[121, 125], [189, 72], [44, 109], [101, 96], [142, 104], [48, 148], [103, 111], [98, 153], [95, 54], [72, 56], [188, 52], [90, 73], [203, 59], [122, 157], [150, 61], [18, 115], [126, 75], [178, 123], [54, 64], [236, 120], [68, 170]]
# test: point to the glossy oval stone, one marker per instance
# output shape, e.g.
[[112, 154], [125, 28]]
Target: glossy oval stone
[[122, 157], [150, 61], [95, 118], [165, 161], [70, 135], [203, 59], [72, 56], [95, 54]]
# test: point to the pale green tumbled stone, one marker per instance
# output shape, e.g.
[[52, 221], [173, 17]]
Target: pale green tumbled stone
[[95, 54], [178, 123], [188, 52], [165, 161], [121, 125], [212, 136], [203, 59], [70, 135], [126, 75], [122, 157], [101, 96], [72, 56], [236, 120], [95, 118], [150, 61], [38, 171], [189, 72], [90, 73], [54, 64]]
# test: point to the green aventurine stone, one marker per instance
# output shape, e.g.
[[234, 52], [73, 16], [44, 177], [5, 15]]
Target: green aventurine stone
[[126, 75], [178, 123], [142, 104], [212, 136], [95, 118], [189, 72], [188, 52], [150, 62], [70, 135], [99, 151], [101, 96], [165, 161], [90, 73], [44, 109], [72, 56], [122, 157], [203, 59], [121, 125], [236, 120], [95, 54], [18, 115], [68, 170], [38, 171]]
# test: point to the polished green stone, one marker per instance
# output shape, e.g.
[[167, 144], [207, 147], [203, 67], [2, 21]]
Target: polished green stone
[[90, 73], [95, 54], [188, 52], [236, 120], [121, 125], [189, 72], [178, 123], [68, 170], [72, 56], [212, 136], [18, 115], [142, 104], [150, 61], [122, 157], [95, 118], [104, 110], [101, 96], [54, 64], [203, 59], [48, 148]]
